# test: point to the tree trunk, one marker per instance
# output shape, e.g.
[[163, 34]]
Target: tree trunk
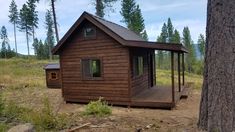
[[54, 18], [15, 39], [217, 108], [33, 32], [27, 40]]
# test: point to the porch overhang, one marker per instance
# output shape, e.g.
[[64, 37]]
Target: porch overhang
[[175, 47]]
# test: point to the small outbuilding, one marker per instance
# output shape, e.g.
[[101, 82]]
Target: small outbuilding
[[53, 78], [99, 58]]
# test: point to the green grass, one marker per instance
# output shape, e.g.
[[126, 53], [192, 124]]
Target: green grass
[[20, 73], [163, 78], [3, 127]]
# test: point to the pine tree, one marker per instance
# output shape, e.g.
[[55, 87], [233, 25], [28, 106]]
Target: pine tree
[[133, 18], [35, 46], [201, 45], [145, 35], [24, 23], [33, 15], [54, 20], [176, 37], [5, 42], [190, 57], [14, 17], [170, 31], [50, 33], [100, 6], [127, 11]]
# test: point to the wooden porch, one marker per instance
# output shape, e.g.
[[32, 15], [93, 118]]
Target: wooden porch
[[159, 97]]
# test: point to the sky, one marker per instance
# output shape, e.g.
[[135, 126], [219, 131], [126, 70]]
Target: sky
[[191, 13]]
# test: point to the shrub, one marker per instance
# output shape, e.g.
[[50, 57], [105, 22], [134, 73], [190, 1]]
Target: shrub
[[45, 119], [98, 108]]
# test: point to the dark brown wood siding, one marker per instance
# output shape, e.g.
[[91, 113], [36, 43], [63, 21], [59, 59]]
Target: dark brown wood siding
[[141, 82], [53, 83], [114, 84]]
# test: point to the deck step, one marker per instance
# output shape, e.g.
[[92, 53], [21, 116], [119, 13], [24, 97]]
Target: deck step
[[186, 92]]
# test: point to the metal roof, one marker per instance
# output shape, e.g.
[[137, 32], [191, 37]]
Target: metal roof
[[52, 66], [121, 31], [121, 34]]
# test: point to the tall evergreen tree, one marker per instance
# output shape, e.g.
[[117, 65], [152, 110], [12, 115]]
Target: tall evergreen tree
[[133, 18], [14, 17], [127, 11], [35, 46], [176, 37], [162, 38], [50, 33], [201, 45], [33, 15], [190, 57], [24, 23], [100, 6], [170, 31], [5, 42], [54, 20]]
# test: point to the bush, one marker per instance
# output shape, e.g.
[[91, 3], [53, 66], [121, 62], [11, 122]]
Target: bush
[[98, 108]]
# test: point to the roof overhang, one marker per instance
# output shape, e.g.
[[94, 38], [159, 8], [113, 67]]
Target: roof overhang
[[157, 46]]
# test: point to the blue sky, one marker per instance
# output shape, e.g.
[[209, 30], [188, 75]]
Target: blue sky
[[191, 13]]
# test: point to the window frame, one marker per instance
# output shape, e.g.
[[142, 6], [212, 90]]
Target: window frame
[[91, 78], [136, 66], [52, 78], [89, 37]]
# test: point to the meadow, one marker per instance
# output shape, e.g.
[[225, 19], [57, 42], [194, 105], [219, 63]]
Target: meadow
[[24, 92]]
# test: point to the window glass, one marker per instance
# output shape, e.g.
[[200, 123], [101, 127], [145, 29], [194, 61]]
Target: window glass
[[89, 32], [91, 68], [138, 65]]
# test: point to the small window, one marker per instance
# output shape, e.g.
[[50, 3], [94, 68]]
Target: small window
[[53, 76], [89, 32], [138, 65], [91, 68]]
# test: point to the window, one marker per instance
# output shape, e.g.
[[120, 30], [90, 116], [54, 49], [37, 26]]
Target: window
[[89, 32], [91, 68], [138, 65], [53, 76]]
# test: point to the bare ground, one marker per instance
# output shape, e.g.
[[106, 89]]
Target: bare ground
[[182, 118]]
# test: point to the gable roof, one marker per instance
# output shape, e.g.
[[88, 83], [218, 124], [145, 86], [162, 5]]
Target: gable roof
[[121, 34]]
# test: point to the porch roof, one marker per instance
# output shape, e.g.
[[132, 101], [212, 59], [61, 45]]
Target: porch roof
[[157, 46]]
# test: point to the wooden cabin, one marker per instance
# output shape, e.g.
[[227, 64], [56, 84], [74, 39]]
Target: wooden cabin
[[99, 58], [53, 78]]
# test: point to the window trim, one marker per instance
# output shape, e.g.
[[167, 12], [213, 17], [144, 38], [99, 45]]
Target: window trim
[[51, 78], [89, 37], [101, 68]]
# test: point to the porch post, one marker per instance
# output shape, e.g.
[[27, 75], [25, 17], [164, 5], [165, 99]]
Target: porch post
[[172, 77], [183, 67], [179, 78]]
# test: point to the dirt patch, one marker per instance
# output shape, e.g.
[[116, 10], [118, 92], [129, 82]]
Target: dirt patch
[[182, 118]]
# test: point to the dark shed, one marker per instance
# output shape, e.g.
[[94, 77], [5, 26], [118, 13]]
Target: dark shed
[[53, 78], [99, 58]]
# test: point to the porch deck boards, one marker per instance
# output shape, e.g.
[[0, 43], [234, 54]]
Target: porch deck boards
[[157, 97]]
